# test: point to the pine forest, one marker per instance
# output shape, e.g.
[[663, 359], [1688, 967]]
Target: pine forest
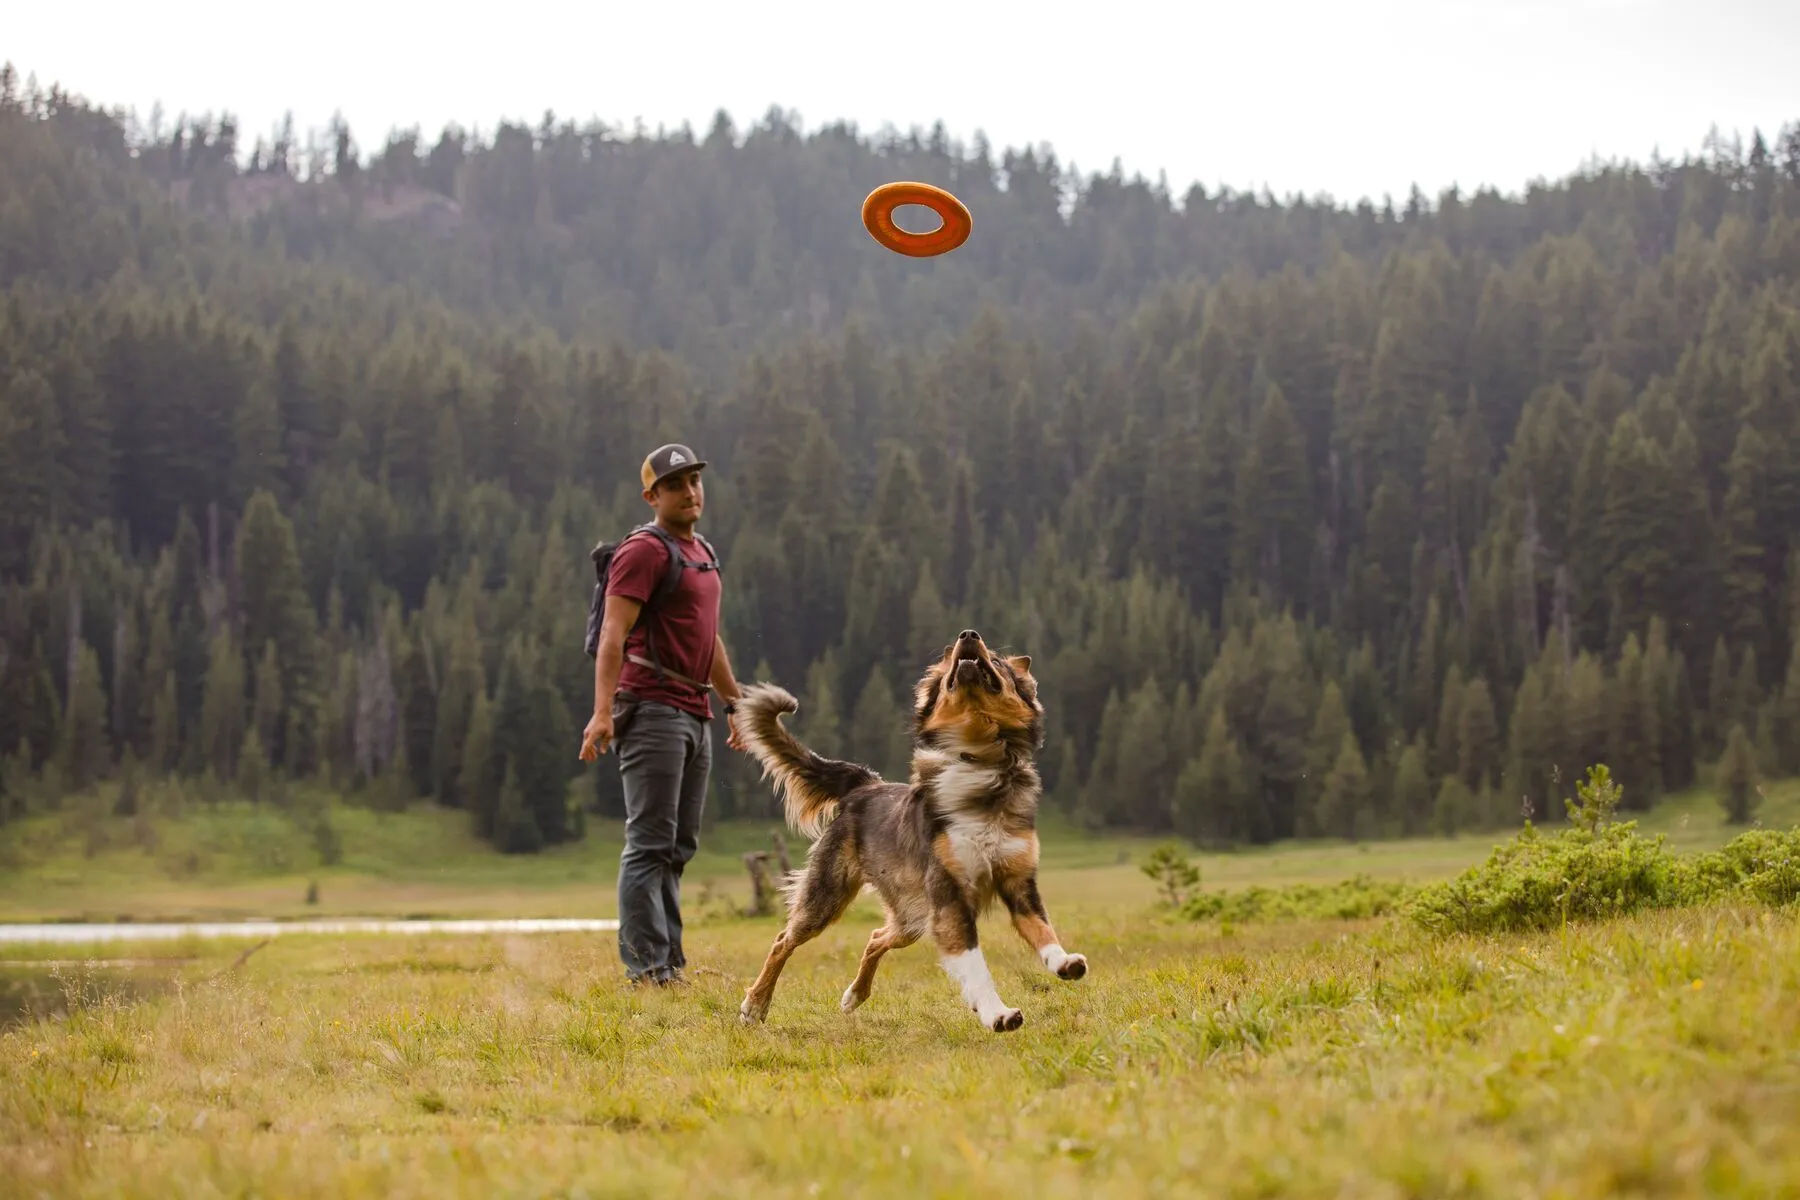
[[1319, 518]]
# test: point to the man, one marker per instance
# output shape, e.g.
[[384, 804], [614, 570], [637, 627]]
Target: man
[[661, 672]]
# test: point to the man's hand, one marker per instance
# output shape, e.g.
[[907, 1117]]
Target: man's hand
[[726, 684], [609, 659], [598, 736]]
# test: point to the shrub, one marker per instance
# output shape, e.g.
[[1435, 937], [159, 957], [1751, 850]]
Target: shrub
[[1594, 868], [1173, 872], [1598, 868], [1350, 900], [1759, 864]]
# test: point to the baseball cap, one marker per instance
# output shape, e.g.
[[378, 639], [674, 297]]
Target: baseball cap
[[665, 461]]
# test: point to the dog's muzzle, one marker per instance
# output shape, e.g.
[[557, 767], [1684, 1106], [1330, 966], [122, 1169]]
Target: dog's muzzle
[[972, 664]]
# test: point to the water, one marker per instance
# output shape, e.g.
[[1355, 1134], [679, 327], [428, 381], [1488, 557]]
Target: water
[[38, 991], [129, 931]]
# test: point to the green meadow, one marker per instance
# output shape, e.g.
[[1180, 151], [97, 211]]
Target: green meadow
[[1657, 1053]]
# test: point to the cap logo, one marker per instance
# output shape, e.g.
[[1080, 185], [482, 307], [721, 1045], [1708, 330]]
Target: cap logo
[[675, 458]]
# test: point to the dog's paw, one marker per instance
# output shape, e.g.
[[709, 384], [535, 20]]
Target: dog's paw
[[750, 1014], [852, 1000], [1073, 967], [1007, 1020]]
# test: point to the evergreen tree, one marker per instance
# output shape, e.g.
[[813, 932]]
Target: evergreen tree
[[1738, 777], [928, 621], [532, 734], [476, 776], [1271, 520], [1412, 790], [1721, 699], [1456, 808], [222, 722], [878, 728], [515, 822], [1324, 747], [1215, 789], [820, 724], [1447, 753], [1787, 716], [1478, 737], [1635, 741], [418, 716], [1343, 802], [465, 682], [275, 608], [1589, 718], [252, 767], [266, 708], [85, 754]]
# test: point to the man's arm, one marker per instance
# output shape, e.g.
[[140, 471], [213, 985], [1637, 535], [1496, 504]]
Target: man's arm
[[609, 659], [726, 684], [609, 655]]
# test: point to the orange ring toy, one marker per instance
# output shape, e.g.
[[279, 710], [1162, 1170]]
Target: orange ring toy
[[878, 219]]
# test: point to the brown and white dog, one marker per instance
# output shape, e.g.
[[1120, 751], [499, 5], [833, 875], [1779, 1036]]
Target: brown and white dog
[[938, 850]]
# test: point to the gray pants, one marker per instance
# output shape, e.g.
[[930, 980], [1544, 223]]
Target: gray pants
[[665, 757]]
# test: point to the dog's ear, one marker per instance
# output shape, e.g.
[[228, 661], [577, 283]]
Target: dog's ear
[[925, 692], [1020, 663]]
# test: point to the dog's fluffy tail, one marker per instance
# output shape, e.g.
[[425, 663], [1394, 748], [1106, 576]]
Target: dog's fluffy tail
[[810, 787]]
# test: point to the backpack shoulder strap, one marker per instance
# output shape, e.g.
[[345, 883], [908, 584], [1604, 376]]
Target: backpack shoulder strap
[[603, 555], [671, 578]]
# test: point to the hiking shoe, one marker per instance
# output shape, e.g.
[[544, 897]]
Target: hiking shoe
[[661, 979]]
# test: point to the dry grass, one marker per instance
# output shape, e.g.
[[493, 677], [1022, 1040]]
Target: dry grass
[[1653, 1056]]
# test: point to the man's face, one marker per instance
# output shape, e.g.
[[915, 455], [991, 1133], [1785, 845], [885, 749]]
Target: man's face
[[680, 498]]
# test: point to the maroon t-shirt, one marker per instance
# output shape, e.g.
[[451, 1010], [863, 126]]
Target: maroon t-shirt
[[686, 624]]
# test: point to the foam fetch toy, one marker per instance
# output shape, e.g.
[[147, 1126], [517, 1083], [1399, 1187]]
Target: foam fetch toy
[[878, 219]]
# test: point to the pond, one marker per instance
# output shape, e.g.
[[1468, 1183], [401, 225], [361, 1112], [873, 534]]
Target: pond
[[127, 931], [34, 991]]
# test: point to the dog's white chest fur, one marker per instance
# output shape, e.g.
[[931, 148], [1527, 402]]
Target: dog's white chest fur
[[962, 793], [960, 781], [980, 844]]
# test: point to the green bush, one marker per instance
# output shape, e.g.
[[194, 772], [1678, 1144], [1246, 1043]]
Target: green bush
[[1597, 868], [1760, 865], [1349, 900], [1537, 881]]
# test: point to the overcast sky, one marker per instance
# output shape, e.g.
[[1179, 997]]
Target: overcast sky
[[1349, 98]]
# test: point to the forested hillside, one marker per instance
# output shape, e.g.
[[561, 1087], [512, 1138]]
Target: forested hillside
[[1315, 519]]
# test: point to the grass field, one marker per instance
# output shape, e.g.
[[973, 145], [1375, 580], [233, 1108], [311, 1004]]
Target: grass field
[[1651, 1055], [237, 861]]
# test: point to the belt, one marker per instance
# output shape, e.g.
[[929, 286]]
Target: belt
[[641, 661]]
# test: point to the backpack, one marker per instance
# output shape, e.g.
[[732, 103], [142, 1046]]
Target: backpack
[[602, 556]]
